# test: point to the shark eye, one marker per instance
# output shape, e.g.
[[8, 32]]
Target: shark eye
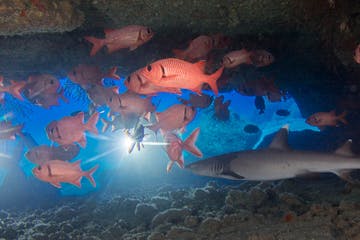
[[148, 68]]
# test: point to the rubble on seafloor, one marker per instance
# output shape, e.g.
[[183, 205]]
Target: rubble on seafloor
[[291, 209]]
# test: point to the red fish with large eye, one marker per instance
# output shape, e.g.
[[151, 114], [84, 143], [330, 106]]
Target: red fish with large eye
[[324, 119], [176, 146], [131, 37], [176, 73], [198, 49], [258, 58], [175, 117], [71, 129], [57, 171], [137, 83], [88, 75]]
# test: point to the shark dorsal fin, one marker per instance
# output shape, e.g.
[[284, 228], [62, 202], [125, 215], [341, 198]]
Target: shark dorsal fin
[[345, 150], [280, 141]]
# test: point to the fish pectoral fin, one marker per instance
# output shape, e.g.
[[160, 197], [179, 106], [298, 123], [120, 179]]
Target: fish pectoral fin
[[56, 184], [346, 176], [169, 78], [231, 175]]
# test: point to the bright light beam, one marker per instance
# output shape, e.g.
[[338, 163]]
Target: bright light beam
[[3, 155], [101, 155], [156, 143]]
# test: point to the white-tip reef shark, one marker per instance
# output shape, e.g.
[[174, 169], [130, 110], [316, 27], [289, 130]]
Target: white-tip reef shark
[[278, 161]]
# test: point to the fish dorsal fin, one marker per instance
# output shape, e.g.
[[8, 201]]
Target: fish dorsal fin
[[345, 150], [280, 141], [79, 118], [201, 65]]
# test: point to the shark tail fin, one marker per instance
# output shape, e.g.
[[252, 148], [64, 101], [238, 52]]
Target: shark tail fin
[[189, 143]]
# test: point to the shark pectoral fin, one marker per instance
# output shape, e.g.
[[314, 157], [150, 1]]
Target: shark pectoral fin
[[231, 175], [346, 176]]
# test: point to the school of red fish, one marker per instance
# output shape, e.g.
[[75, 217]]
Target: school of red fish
[[185, 70]]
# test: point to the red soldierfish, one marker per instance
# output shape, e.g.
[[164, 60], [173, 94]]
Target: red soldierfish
[[87, 75], [236, 58], [130, 104], [69, 130], [127, 37], [176, 146], [14, 88], [175, 117], [8, 131], [41, 154], [176, 73], [258, 58], [57, 171], [198, 49], [261, 58], [137, 83], [324, 119]]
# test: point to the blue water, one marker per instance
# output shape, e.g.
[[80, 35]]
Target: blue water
[[120, 170]]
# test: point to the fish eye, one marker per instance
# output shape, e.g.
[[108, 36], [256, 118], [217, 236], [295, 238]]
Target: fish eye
[[74, 72], [110, 99], [148, 68], [51, 81], [149, 31], [128, 79], [39, 167]]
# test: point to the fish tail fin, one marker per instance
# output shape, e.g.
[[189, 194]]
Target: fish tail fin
[[106, 125], [180, 162], [212, 80], [91, 124], [112, 73], [180, 54], [89, 175], [169, 166], [97, 44], [189, 143], [342, 118]]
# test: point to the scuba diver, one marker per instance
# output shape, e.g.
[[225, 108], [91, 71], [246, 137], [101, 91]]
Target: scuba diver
[[137, 136]]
